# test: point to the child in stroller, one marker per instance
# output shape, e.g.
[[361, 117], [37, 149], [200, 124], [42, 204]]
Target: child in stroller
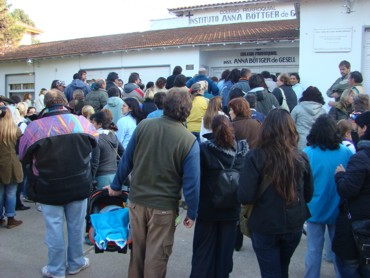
[[107, 222]]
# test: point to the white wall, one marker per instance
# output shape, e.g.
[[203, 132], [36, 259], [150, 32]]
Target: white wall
[[321, 69], [63, 68]]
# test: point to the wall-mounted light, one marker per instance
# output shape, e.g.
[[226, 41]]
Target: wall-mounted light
[[29, 61], [348, 6]]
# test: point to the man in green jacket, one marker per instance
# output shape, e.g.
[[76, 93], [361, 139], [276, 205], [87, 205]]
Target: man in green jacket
[[336, 90]]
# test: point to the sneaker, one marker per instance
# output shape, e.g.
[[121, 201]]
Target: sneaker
[[46, 273], [86, 265], [25, 199], [2, 221]]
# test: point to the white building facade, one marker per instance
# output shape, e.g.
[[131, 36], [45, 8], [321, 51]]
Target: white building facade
[[315, 36]]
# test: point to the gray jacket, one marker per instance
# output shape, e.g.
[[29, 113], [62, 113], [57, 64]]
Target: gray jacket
[[304, 115]]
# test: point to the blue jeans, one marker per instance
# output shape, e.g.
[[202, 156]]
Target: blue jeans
[[104, 180], [197, 135], [352, 268], [8, 194], [74, 213], [328, 253], [315, 245], [274, 252]]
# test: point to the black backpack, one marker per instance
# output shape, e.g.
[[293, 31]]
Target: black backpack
[[226, 187]]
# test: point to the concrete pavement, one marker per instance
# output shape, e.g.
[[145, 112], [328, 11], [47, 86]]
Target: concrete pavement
[[23, 253]]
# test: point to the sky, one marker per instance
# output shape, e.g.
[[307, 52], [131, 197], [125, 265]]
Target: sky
[[69, 19]]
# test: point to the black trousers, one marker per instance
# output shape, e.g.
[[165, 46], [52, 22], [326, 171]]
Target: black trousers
[[213, 247]]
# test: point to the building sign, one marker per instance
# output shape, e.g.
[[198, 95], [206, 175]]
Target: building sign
[[333, 40], [262, 57], [239, 14]]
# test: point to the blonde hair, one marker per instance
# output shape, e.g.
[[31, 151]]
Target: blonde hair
[[214, 106], [87, 111], [150, 92], [8, 129], [344, 126], [22, 107]]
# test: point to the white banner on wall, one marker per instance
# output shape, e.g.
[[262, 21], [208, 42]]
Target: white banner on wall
[[239, 14], [333, 40]]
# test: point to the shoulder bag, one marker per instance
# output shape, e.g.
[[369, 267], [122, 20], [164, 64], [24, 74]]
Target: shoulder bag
[[284, 104]]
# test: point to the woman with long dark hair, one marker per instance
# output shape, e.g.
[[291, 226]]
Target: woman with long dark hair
[[325, 152], [214, 233], [279, 211], [11, 169], [132, 116]]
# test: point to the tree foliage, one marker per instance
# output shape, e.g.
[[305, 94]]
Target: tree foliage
[[11, 33], [20, 15]]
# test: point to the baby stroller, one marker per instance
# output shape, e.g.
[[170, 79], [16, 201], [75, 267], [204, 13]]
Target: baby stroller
[[107, 222]]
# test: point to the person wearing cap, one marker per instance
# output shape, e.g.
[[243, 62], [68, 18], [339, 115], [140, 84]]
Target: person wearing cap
[[198, 109], [353, 185], [58, 84], [58, 146]]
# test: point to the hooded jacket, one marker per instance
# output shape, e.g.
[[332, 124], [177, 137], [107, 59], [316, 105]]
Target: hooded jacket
[[304, 116], [114, 104], [265, 100], [209, 153], [133, 90], [105, 155], [76, 84]]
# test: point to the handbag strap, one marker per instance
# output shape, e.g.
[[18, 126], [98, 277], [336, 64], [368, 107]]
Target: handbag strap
[[114, 149], [264, 185]]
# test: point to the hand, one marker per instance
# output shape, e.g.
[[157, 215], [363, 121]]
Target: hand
[[331, 103], [112, 192], [334, 95], [188, 223], [340, 168]]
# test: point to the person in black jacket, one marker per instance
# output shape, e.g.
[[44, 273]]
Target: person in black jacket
[[353, 186], [215, 229], [284, 86], [171, 79], [278, 215]]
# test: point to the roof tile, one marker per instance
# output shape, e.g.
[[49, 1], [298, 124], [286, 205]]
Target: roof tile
[[212, 34]]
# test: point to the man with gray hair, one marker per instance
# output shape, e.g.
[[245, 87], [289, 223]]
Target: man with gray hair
[[58, 146], [202, 76], [164, 158]]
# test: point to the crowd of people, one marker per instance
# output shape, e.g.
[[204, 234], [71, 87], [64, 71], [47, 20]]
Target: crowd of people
[[169, 140]]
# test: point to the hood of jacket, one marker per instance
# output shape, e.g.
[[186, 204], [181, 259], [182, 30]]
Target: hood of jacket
[[78, 84], [129, 87], [241, 147], [311, 107], [108, 136], [114, 101]]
